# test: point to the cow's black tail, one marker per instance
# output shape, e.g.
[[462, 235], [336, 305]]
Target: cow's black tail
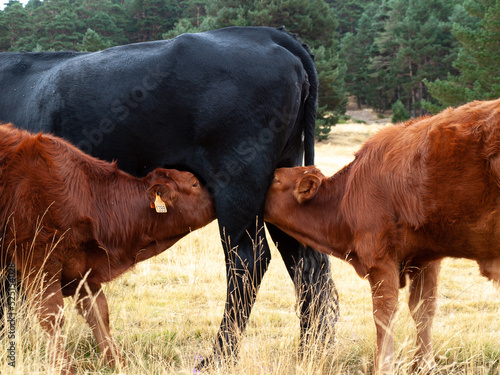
[[303, 52], [310, 108]]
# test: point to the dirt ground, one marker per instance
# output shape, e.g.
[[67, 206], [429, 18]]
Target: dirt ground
[[366, 114]]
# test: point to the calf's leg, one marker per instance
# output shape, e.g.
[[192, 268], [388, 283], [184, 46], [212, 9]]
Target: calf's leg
[[46, 297], [93, 306], [422, 304], [384, 281]]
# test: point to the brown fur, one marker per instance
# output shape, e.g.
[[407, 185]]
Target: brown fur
[[415, 193], [68, 217]]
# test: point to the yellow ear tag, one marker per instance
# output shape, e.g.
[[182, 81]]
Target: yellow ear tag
[[160, 205]]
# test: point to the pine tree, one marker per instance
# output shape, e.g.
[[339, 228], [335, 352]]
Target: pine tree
[[367, 55], [478, 61], [33, 5], [357, 50], [63, 31], [332, 99], [4, 33], [93, 42], [103, 17], [55, 26], [153, 18], [18, 25], [415, 43], [399, 112], [348, 13], [193, 11]]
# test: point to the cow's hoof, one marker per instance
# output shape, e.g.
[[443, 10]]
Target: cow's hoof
[[202, 364], [214, 362]]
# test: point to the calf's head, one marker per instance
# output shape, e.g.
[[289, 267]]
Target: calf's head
[[180, 196], [290, 190]]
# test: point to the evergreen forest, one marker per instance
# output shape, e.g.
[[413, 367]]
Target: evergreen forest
[[417, 56]]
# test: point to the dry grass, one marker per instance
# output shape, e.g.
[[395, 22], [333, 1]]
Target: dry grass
[[166, 312]]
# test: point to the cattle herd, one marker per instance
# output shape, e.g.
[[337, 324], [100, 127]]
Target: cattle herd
[[109, 158]]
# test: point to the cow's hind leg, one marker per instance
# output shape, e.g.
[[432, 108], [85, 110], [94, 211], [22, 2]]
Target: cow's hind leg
[[246, 250], [317, 297], [92, 305], [422, 304]]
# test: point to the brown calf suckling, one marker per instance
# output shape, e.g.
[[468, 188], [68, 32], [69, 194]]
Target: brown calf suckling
[[415, 193], [71, 222]]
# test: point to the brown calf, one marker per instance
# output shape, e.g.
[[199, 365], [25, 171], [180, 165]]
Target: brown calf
[[415, 193], [68, 217]]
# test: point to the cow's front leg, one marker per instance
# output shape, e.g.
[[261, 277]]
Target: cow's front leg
[[245, 267], [44, 294], [384, 281], [91, 303]]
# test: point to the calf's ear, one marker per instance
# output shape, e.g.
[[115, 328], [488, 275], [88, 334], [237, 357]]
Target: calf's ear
[[307, 187], [161, 195]]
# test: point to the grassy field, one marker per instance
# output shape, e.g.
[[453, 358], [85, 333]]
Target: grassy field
[[165, 313]]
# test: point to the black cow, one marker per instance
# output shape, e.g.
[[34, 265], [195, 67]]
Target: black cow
[[229, 105]]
